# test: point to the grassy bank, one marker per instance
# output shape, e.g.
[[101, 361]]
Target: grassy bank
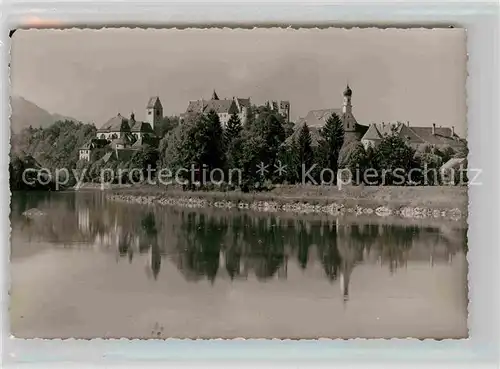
[[433, 197]]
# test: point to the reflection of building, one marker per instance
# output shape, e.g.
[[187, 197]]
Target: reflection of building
[[84, 219], [346, 269], [283, 269]]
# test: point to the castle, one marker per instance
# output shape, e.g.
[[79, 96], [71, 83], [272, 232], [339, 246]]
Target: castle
[[227, 107], [282, 108]]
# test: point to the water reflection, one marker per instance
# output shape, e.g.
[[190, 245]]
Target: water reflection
[[234, 246]]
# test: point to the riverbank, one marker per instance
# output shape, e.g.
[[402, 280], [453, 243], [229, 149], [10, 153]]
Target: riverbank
[[405, 202]]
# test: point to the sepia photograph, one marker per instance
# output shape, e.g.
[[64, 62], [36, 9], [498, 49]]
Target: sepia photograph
[[239, 183]]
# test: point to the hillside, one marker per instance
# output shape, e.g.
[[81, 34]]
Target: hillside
[[26, 113], [55, 146]]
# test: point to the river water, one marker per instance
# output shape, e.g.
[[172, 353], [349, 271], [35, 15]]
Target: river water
[[91, 267]]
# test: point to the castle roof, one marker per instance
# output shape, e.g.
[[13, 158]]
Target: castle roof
[[195, 106], [219, 106], [245, 103]]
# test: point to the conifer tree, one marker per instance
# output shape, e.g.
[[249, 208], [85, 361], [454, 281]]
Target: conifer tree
[[233, 129], [213, 146], [332, 139], [304, 146]]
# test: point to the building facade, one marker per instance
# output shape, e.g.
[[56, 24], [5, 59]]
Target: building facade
[[223, 107], [282, 107]]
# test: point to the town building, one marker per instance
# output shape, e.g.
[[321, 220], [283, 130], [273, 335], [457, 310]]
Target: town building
[[371, 135], [223, 107], [416, 137], [86, 149]]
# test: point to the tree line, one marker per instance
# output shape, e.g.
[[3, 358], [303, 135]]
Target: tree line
[[266, 141]]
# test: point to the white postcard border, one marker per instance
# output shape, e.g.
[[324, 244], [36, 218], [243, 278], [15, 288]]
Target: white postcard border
[[481, 22]]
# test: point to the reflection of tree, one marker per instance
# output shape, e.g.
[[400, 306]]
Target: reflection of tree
[[235, 248], [395, 242], [329, 252], [124, 245], [266, 247], [233, 257], [305, 241], [200, 246], [149, 240], [210, 245]]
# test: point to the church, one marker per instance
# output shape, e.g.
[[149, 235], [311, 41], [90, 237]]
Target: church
[[127, 135], [371, 135]]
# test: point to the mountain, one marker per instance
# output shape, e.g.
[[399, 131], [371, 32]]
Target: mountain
[[26, 113]]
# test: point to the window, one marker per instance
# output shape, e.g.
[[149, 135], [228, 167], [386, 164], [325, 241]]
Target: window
[[158, 113], [149, 112]]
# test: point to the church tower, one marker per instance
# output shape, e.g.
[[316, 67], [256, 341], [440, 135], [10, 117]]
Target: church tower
[[346, 106], [154, 113], [347, 118]]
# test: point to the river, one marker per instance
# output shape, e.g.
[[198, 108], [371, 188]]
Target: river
[[91, 267]]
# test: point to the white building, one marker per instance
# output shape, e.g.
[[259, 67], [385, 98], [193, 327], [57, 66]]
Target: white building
[[224, 108]]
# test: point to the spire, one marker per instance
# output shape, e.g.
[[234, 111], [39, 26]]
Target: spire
[[214, 96], [347, 91]]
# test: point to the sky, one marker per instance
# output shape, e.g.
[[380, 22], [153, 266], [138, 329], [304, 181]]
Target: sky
[[415, 75]]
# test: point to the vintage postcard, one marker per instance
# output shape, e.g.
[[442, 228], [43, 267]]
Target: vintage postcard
[[239, 183]]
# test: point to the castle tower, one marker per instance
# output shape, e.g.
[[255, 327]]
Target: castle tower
[[154, 113], [347, 117], [284, 110]]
